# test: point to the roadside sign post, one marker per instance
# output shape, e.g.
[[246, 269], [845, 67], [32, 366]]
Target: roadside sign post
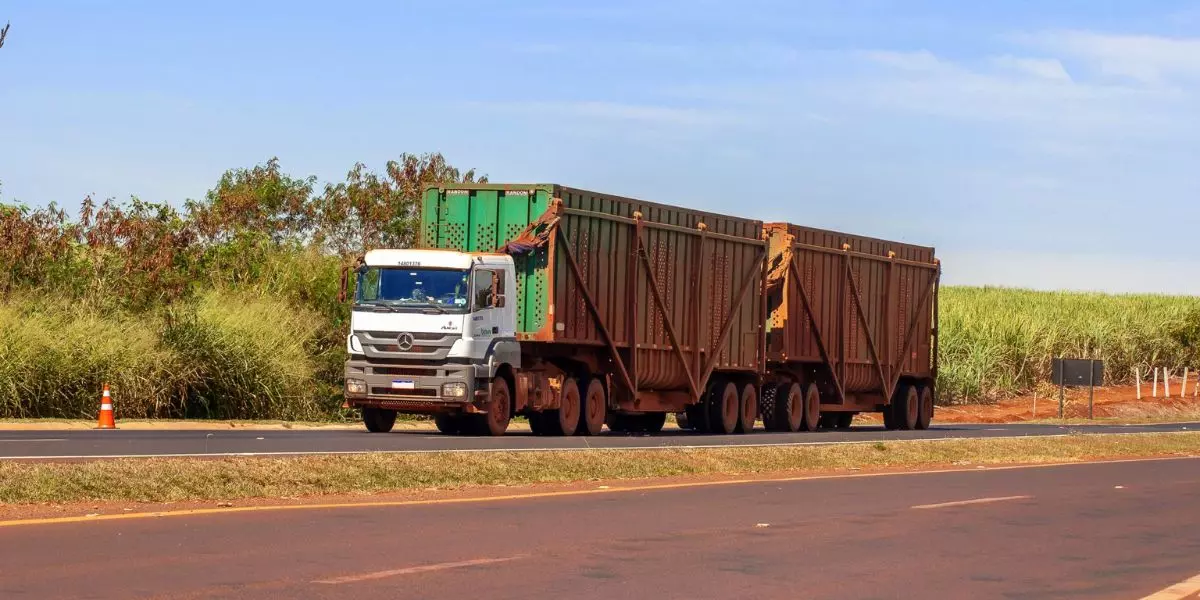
[[1062, 390], [1076, 372]]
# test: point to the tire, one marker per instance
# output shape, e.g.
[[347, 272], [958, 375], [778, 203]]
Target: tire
[[565, 420], [827, 421], [767, 405], [844, 420], [786, 408], [811, 417], [889, 419], [925, 411], [697, 416], [449, 424], [378, 420], [747, 409], [594, 409], [723, 405], [906, 408], [682, 422], [499, 411]]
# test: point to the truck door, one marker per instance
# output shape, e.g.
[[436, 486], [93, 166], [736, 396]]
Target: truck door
[[488, 304]]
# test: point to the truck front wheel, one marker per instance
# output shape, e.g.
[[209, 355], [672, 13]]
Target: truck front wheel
[[499, 410], [378, 420]]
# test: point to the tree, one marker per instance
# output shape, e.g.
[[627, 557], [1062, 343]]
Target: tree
[[371, 210], [262, 201]]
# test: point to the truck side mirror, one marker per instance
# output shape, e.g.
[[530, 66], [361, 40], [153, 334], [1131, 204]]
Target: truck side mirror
[[345, 280]]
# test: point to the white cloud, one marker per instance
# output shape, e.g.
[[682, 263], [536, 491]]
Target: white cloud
[[1144, 58], [1044, 68], [924, 83], [615, 111], [921, 61]]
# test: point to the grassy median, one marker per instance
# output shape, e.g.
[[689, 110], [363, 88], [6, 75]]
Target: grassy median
[[176, 480]]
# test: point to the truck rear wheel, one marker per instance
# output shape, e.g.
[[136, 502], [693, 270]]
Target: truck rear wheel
[[889, 417], [681, 421], [925, 412], [565, 420], [723, 404], [378, 420], [499, 411], [905, 410], [595, 409], [697, 416], [747, 409], [779, 407], [812, 408], [844, 420]]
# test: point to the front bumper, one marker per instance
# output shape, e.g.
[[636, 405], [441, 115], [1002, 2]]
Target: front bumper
[[413, 387]]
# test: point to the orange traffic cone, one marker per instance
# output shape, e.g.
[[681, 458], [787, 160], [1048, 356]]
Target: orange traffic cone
[[106, 412]]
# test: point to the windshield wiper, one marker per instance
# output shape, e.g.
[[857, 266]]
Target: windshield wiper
[[377, 306], [436, 308]]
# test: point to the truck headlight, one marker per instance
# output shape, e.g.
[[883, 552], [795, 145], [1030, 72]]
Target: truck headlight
[[356, 387], [456, 389]]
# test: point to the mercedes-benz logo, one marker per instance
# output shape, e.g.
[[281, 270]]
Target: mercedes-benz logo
[[404, 342]]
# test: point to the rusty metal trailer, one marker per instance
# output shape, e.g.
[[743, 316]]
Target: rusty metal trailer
[[626, 310], [852, 327], [587, 309]]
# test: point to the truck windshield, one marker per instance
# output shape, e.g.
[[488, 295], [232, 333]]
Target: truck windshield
[[445, 289]]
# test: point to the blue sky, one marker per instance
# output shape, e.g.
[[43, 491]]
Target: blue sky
[[1034, 143]]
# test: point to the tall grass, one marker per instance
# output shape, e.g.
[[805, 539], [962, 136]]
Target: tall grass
[[252, 357], [997, 342], [54, 359], [224, 355]]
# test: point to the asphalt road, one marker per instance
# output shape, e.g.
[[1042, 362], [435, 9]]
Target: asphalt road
[[1107, 530], [90, 443]]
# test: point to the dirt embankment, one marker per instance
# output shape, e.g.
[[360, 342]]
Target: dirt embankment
[[1120, 403]]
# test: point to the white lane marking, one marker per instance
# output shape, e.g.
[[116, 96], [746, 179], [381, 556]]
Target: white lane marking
[[34, 440], [1178, 591], [968, 502], [570, 449], [418, 569], [997, 429]]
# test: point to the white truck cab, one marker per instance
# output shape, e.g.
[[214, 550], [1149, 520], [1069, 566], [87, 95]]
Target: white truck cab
[[430, 330]]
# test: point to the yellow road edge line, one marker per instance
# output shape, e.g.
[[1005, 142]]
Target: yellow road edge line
[[461, 564], [560, 494], [1180, 590], [969, 502]]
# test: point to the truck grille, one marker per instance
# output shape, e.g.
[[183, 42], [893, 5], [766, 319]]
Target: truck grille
[[387, 391]]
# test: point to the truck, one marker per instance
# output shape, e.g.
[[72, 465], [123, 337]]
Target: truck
[[581, 310]]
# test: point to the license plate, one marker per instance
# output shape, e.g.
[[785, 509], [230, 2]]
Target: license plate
[[403, 384]]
